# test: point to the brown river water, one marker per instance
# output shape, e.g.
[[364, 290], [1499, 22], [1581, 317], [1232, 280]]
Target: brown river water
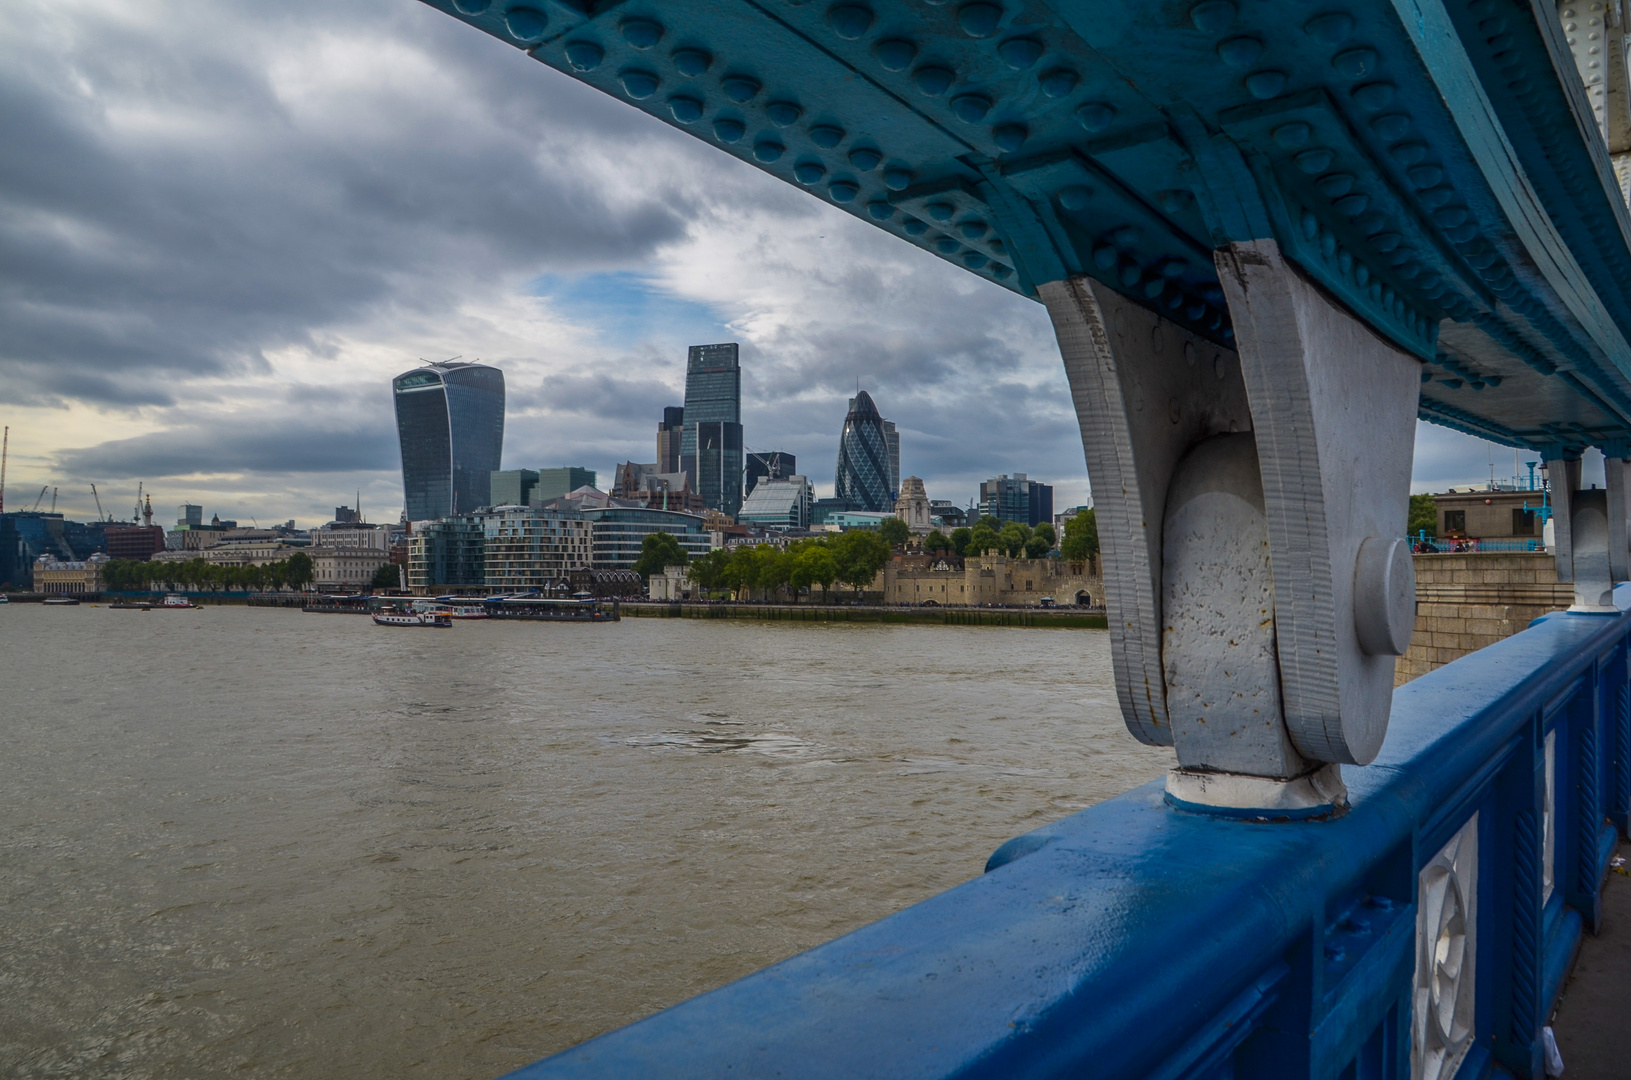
[[267, 844]]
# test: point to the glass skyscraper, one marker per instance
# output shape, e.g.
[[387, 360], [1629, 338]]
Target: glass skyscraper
[[711, 441], [450, 422], [863, 458]]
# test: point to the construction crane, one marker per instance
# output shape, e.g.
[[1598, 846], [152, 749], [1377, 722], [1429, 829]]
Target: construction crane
[[136, 514], [53, 500], [5, 447], [100, 516], [41, 497]]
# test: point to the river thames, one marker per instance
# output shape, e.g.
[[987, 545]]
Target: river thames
[[258, 842]]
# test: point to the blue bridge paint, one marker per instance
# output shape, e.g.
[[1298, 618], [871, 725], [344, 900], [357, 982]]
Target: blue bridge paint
[[1134, 940], [1433, 164]]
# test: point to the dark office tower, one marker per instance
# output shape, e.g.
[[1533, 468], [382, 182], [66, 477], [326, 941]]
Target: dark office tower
[[668, 440], [769, 465], [863, 457], [711, 440], [891, 439], [450, 420]]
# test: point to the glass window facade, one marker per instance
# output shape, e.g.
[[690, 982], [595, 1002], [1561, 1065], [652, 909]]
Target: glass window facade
[[447, 553], [779, 504], [863, 458], [617, 533], [711, 439], [527, 548], [450, 426], [1017, 498]]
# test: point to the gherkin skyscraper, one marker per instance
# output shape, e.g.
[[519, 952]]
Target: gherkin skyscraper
[[863, 457], [450, 420]]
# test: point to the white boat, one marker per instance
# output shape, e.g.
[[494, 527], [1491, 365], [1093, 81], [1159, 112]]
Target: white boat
[[176, 601], [404, 618], [467, 611], [62, 601], [4, 599]]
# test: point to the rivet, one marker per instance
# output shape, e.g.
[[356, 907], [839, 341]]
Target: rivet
[[768, 150], [947, 246], [896, 54], [471, 7], [728, 130], [1375, 95], [1074, 197], [1335, 185], [1219, 367], [1058, 82], [1425, 176], [1328, 242], [783, 113], [973, 230], [584, 55], [1172, 268], [692, 62], [999, 271], [1408, 153], [687, 110], [897, 179], [1315, 161], [808, 172], [850, 21], [827, 136], [740, 88], [914, 227], [979, 20], [881, 210], [1020, 53], [1362, 274], [1435, 197], [996, 244], [1265, 84], [1010, 137], [843, 190], [933, 80], [1153, 286], [1240, 51], [641, 33], [1345, 261], [1130, 273], [1386, 241], [1194, 311], [1104, 256], [1212, 16], [941, 211], [970, 108], [1096, 116], [639, 84], [1174, 200], [525, 24], [1355, 63], [1292, 135], [1371, 222], [1331, 28], [865, 158], [1460, 234], [1310, 224], [1391, 126], [974, 260]]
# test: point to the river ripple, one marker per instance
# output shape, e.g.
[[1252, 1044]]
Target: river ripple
[[283, 845]]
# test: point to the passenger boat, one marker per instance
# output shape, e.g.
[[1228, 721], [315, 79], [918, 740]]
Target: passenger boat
[[467, 611], [131, 605], [582, 609], [62, 601], [405, 618], [174, 602]]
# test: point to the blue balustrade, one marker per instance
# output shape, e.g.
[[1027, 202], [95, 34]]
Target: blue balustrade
[[1435, 919]]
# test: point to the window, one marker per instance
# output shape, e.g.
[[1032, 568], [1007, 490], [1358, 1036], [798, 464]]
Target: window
[[1455, 521], [1523, 522]]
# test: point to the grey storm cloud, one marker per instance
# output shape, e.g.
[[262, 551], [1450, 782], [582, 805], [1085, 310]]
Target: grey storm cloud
[[230, 445]]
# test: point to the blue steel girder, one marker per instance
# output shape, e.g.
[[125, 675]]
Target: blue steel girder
[[1432, 164]]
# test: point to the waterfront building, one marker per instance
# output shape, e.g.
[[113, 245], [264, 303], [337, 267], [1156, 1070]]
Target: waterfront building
[[862, 476], [711, 439], [358, 535], [1491, 514], [912, 506], [139, 542], [512, 487], [1017, 498], [674, 583], [670, 432], [943, 578], [767, 465], [257, 551], [528, 547], [450, 425], [617, 531], [346, 569], [946, 516], [844, 520], [779, 504], [449, 553], [891, 440], [553, 483], [74, 577]]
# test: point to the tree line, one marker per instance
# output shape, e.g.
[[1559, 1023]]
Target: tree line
[[130, 575]]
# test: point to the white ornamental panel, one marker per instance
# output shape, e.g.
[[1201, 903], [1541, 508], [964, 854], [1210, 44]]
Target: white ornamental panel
[[1441, 1027]]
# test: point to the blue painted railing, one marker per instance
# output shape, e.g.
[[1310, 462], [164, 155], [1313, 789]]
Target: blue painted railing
[[1474, 546], [1136, 940]]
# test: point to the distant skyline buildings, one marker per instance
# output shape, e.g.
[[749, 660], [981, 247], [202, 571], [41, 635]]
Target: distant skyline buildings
[[767, 465], [1017, 498], [865, 451], [711, 439], [450, 429], [670, 432]]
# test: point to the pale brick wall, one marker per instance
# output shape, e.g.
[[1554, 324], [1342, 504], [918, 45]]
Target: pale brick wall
[[1464, 602]]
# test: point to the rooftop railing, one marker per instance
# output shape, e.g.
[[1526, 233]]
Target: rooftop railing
[[1425, 933]]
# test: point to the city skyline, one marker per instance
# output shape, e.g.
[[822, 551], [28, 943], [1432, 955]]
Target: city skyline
[[237, 358]]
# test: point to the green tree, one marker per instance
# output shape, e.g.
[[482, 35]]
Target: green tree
[[1044, 529], [386, 577], [741, 572], [961, 539], [1012, 539], [894, 531], [1423, 515], [299, 572], [813, 564], [982, 538], [657, 550], [708, 571], [936, 541], [989, 522], [1081, 541], [1037, 547], [773, 569], [859, 555]]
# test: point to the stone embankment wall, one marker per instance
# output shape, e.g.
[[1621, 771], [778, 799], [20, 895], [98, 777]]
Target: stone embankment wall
[[1464, 602]]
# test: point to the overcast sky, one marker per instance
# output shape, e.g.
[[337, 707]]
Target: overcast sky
[[224, 226]]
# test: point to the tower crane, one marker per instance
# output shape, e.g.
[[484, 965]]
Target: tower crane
[[100, 516], [40, 497], [53, 500]]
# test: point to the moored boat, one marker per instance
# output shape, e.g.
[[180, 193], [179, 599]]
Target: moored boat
[[176, 602], [62, 601], [404, 618]]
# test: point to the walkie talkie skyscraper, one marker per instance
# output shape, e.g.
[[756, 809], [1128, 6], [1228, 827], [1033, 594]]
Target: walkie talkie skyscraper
[[450, 421]]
